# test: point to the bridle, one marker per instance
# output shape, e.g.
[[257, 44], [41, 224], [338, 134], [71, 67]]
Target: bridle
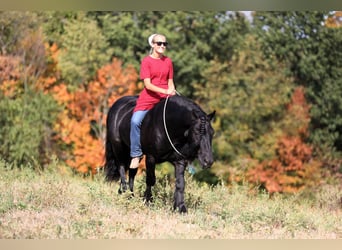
[[202, 132], [202, 127]]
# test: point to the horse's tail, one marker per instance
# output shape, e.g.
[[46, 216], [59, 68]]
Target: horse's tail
[[111, 169]]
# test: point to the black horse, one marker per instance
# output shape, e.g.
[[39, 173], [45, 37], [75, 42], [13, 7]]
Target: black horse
[[176, 130]]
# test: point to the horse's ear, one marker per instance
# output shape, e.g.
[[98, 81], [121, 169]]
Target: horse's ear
[[211, 115]]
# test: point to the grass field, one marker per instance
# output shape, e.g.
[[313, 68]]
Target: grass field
[[56, 205]]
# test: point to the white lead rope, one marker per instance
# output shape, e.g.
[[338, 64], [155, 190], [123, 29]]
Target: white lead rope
[[167, 133]]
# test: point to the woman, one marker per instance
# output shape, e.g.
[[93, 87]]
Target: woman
[[156, 70]]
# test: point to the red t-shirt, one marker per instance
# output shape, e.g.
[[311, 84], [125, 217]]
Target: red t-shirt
[[159, 71]]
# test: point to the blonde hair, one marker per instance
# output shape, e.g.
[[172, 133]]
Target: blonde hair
[[150, 42]]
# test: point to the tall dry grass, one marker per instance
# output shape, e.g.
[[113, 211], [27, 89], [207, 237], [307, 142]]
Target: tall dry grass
[[56, 205]]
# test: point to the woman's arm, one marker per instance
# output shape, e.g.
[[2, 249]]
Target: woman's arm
[[171, 87], [154, 88]]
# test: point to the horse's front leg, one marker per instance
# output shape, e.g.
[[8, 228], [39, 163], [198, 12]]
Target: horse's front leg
[[123, 183], [131, 176], [150, 178], [180, 185]]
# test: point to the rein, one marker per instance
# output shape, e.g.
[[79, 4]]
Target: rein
[[167, 133]]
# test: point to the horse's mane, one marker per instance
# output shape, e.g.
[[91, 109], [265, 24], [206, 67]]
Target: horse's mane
[[187, 104]]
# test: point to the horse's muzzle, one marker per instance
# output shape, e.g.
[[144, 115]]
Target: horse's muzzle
[[207, 163]]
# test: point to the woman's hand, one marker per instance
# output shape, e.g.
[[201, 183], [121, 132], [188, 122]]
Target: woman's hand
[[171, 91]]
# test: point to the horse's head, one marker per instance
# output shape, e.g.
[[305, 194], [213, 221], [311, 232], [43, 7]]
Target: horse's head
[[201, 137]]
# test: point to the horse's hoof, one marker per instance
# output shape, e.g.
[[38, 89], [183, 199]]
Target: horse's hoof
[[181, 209], [148, 201], [131, 195], [122, 189], [148, 198]]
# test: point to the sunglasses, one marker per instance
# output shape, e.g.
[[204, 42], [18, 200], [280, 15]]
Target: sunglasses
[[160, 43]]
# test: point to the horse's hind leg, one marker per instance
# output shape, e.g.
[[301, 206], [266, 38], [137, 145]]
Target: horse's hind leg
[[180, 186], [150, 178]]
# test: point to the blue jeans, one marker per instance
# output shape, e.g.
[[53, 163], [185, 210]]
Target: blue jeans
[[136, 121]]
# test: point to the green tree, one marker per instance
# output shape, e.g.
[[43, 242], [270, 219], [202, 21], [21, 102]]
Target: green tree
[[84, 49], [195, 38], [26, 133], [199, 37], [53, 24], [126, 34], [312, 52]]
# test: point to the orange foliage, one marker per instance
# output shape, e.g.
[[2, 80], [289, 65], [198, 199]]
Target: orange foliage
[[9, 68], [288, 172], [87, 105], [33, 53], [9, 74], [298, 110], [293, 168], [335, 20], [50, 77], [81, 125]]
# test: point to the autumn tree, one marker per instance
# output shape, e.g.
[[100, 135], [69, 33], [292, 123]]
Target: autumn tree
[[22, 40], [249, 94], [81, 125], [311, 50], [27, 115], [293, 167]]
